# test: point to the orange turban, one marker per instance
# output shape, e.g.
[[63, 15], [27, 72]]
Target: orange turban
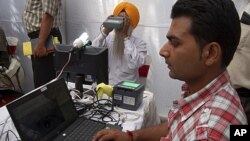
[[131, 11]]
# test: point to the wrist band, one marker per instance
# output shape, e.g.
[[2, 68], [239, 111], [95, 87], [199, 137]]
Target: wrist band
[[130, 135]]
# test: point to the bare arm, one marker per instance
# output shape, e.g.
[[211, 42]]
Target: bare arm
[[152, 133], [45, 28], [148, 134], [100, 40]]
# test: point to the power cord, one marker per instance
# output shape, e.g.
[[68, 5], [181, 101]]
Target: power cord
[[7, 137], [64, 66], [128, 116], [102, 110], [76, 93], [4, 124]]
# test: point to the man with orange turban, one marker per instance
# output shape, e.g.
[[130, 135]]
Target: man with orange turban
[[126, 52]]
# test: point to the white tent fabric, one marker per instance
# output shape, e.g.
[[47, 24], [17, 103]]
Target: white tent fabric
[[87, 16]]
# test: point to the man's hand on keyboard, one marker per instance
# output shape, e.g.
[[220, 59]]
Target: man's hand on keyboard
[[111, 135]]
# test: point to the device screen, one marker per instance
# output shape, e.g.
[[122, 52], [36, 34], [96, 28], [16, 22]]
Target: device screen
[[130, 84]]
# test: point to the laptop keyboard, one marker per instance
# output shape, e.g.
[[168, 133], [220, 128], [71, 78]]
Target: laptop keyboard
[[84, 130]]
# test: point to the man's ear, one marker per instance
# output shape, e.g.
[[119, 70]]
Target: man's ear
[[211, 53]]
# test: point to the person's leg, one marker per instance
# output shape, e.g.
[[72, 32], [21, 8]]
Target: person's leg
[[43, 69]]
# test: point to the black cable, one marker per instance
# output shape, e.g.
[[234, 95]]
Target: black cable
[[4, 124], [103, 112], [100, 110], [112, 119], [108, 103], [7, 136], [13, 134]]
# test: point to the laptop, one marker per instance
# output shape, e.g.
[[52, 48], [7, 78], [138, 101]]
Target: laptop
[[48, 113]]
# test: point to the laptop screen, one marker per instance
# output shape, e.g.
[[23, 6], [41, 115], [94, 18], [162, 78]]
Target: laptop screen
[[43, 113]]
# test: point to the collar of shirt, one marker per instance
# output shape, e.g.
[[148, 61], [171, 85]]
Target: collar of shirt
[[186, 106]]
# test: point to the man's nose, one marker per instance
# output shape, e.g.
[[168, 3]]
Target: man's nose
[[164, 52]]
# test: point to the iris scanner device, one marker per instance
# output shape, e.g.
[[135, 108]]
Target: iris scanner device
[[113, 22]]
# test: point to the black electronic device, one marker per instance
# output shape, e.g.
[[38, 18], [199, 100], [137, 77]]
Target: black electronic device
[[115, 22], [89, 62], [128, 95]]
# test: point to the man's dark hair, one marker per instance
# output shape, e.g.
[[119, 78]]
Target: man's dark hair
[[212, 21]]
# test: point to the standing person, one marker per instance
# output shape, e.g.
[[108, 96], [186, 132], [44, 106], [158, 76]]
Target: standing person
[[197, 52], [239, 68], [126, 52], [42, 19]]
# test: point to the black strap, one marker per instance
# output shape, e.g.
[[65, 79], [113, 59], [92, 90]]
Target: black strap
[[54, 32]]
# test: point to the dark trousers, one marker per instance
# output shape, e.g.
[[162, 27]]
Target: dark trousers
[[43, 67], [245, 101]]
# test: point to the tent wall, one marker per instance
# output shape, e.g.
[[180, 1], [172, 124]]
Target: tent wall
[[87, 16], [11, 20]]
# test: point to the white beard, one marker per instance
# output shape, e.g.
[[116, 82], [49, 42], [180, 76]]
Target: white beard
[[118, 45]]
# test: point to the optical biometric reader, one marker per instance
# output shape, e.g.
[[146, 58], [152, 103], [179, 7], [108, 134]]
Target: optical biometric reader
[[128, 95]]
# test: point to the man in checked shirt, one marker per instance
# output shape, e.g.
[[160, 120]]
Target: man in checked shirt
[[202, 39], [42, 19]]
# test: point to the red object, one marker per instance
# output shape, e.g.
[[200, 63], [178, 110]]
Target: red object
[[11, 49], [143, 71], [130, 135]]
